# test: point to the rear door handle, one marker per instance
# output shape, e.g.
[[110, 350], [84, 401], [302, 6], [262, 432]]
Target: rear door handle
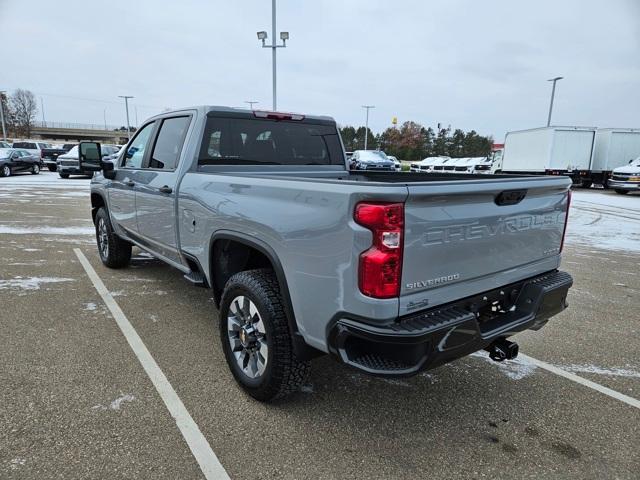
[[165, 189], [129, 183]]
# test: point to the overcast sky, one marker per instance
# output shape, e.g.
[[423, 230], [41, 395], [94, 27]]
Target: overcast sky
[[479, 65]]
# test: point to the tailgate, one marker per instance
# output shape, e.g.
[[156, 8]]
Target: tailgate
[[464, 238]]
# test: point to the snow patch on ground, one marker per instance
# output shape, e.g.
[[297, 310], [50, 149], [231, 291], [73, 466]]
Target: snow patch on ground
[[516, 369], [17, 462], [118, 293], [115, 404], [90, 307], [604, 221], [6, 229], [30, 283]]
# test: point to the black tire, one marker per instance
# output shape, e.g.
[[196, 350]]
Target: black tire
[[117, 253], [586, 183], [621, 192], [283, 372], [63, 175], [6, 171], [35, 169], [52, 168]]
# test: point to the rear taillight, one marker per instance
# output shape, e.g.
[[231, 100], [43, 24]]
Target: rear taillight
[[380, 266], [566, 218]]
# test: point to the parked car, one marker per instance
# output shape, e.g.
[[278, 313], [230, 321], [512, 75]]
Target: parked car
[[305, 258], [67, 163], [626, 179], [372, 160], [34, 147], [50, 155], [427, 164], [397, 164], [13, 160], [4, 144]]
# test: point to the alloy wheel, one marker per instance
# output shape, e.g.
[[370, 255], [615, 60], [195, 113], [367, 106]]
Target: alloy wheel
[[247, 337], [103, 239]]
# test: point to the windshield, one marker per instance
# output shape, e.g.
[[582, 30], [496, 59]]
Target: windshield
[[371, 155], [5, 152], [72, 153], [635, 163]]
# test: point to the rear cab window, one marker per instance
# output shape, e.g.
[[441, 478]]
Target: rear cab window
[[249, 141]]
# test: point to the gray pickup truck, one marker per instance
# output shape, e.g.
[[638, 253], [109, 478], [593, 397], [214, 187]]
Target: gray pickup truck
[[390, 273]]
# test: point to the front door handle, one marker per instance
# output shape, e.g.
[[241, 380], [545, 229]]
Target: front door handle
[[165, 189], [129, 183]]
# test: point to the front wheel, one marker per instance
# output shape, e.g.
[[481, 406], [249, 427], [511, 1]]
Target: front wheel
[[621, 192], [114, 251], [6, 171], [35, 169], [63, 175], [256, 338]]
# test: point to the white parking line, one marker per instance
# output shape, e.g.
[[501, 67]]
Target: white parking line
[[582, 381], [204, 455]]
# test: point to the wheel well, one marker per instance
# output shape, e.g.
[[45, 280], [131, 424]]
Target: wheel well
[[96, 202], [229, 257]]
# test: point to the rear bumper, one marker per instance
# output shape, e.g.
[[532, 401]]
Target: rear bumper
[[436, 336]]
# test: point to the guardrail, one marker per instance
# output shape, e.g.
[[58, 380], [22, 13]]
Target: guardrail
[[80, 126]]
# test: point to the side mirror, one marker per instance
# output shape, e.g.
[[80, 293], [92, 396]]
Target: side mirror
[[630, 161], [89, 156]]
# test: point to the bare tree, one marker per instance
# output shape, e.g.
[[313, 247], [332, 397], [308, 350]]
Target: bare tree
[[23, 109]]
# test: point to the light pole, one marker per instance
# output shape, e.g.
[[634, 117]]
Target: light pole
[[104, 116], [284, 36], [366, 128], [44, 123], [553, 94], [126, 106], [4, 130], [250, 102]]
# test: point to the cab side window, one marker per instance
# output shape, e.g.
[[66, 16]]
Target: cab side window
[[135, 151], [166, 151]]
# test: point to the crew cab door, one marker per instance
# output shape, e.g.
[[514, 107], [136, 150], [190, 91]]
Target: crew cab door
[[122, 196], [156, 188]]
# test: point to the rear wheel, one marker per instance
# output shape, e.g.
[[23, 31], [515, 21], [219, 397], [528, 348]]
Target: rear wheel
[[6, 171], [52, 168], [63, 175], [256, 338], [621, 192], [586, 183], [35, 169], [114, 251]]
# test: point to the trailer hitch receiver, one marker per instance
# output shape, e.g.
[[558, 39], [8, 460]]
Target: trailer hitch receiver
[[502, 349]]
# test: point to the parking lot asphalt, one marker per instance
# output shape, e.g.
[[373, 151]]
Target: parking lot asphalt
[[76, 402]]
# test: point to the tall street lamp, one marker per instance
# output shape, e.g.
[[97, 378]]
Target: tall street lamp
[[553, 93], [4, 129], [126, 106], [284, 36], [366, 128], [251, 102]]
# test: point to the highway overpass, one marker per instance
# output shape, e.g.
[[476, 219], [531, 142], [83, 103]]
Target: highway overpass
[[78, 131]]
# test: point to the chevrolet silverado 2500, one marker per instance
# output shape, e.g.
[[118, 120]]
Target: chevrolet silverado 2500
[[391, 273]]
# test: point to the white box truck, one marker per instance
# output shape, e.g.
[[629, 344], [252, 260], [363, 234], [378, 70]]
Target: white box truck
[[614, 147], [549, 151]]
